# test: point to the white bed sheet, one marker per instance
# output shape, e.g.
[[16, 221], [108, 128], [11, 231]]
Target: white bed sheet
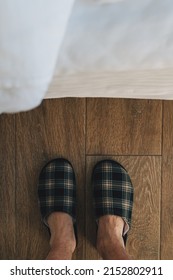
[[110, 48], [31, 33], [122, 36], [120, 49]]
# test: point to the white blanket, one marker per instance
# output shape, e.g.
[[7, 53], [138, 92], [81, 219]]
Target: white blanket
[[111, 48], [127, 35], [120, 49], [31, 32]]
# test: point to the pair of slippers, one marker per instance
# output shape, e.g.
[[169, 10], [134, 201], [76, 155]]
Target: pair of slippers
[[113, 190]]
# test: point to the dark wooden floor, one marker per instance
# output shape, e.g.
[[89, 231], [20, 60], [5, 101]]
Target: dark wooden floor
[[137, 133]]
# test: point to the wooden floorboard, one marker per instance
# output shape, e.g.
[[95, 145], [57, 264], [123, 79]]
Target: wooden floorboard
[[7, 187], [144, 237], [123, 126], [167, 184], [52, 130], [138, 133]]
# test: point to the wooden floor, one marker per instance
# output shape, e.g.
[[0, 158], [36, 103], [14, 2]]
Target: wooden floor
[[137, 133]]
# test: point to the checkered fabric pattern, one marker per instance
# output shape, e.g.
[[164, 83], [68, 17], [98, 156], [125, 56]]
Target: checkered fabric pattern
[[113, 190], [57, 189]]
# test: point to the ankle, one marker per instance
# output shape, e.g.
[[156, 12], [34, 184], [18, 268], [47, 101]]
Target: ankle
[[59, 253], [62, 247], [62, 232], [108, 243], [109, 236], [58, 243]]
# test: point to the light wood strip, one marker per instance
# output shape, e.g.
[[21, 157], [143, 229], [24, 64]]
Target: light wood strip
[[55, 129], [143, 84], [144, 237]]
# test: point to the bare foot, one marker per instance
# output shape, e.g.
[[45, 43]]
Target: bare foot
[[62, 241], [110, 243]]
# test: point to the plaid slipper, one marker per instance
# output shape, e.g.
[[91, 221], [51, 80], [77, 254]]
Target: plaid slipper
[[57, 189], [113, 192]]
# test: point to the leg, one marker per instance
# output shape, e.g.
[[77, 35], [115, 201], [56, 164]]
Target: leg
[[57, 199], [110, 244], [62, 239], [113, 200]]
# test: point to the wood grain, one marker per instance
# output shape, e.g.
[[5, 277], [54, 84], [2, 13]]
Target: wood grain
[[167, 183], [123, 127], [144, 237], [55, 129], [131, 130], [151, 84], [7, 187]]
